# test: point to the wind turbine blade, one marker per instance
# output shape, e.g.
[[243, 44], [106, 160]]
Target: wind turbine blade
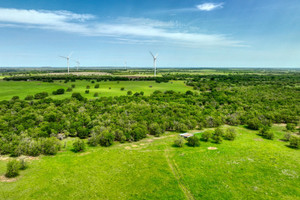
[[151, 54], [156, 55], [63, 57]]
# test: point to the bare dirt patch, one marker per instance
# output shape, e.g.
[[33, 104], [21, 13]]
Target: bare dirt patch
[[28, 158], [83, 154], [142, 144], [7, 180], [212, 148], [127, 148], [258, 139], [4, 158], [150, 140], [82, 73]]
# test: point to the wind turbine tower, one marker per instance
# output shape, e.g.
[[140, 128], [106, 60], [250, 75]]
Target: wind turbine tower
[[68, 61], [154, 61], [78, 64]]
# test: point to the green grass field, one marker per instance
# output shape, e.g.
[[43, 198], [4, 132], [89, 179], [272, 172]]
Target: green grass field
[[248, 168], [22, 89]]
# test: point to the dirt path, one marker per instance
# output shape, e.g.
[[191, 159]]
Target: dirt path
[[178, 175]]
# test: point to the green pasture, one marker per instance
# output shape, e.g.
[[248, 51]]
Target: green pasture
[[8, 89], [248, 168]]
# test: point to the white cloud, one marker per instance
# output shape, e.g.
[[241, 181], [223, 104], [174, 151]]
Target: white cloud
[[139, 29], [209, 6]]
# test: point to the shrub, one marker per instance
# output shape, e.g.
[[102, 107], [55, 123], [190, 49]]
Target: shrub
[[230, 134], [92, 82], [69, 89], [106, 138], [142, 93], [155, 129], [23, 164], [269, 135], [97, 86], [12, 169], [41, 95], [15, 98], [119, 136], [179, 142], [193, 141], [93, 140], [290, 127], [129, 92], [50, 146], [266, 133], [29, 97], [109, 88], [295, 141], [87, 91], [287, 136], [96, 94], [217, 136], [73, 85], [88, 87], [78, 145], [77, 96], [122, 88], [58, 92], [206, 136], [34, 148]]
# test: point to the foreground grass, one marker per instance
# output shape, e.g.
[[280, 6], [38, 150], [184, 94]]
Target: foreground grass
[[109, 88], [247, 168]]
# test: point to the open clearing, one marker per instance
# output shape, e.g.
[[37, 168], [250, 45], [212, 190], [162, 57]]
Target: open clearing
[[109, 88], [240, 169]]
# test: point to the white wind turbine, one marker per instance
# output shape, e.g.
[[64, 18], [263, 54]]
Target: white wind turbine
[[78, 64], [154, 62], [68, 60]]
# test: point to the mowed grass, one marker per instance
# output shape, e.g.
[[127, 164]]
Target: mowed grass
[[248, 168], [8, 89]]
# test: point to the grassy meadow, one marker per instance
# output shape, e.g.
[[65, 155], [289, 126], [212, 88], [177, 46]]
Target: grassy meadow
[[109, 88], [247, 168]]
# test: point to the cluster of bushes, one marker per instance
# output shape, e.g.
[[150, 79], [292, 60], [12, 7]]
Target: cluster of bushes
[[265, 132], [31, 147], [218, 135], [59, 91], [13, 167], [193, 141], [41, 95]]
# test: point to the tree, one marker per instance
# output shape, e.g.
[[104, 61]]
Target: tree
[[77, 96], [129, 92], [179, 142], [155, 129], [193, 141], [50, 146], [106, 138]]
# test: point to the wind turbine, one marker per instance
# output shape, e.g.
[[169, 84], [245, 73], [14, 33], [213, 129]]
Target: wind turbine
[[68, 60], [125, 65], [78, 64], [154, 62]]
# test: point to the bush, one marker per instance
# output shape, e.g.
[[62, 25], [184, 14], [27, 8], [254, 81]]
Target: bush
[[58, 92], [290, 127], [230, 134], [269, 135], [266, 133], [206, 136], [77, 96], [193, 141], [88, 87], [97, 86], [92, 82], [12, 169], [87, 91], [295, 141], [69, 89], [122, 88], [155, 129], [287, 136], [217, 136], [93, 140], [29, 97], [50, 146], [34, 148], [96, 94], [129, 92], [106, 138], [23, 164], [78, 145], [41, 95], [73, 85], [15, 98], [179, 142]]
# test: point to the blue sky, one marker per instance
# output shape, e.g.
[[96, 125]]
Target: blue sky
[[185, 33]]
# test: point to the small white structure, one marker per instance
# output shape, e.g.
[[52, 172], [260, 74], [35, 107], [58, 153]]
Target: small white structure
[[186, 135]]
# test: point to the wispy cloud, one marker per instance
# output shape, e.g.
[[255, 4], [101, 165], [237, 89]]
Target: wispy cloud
[[139, 29], [209, 6]]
